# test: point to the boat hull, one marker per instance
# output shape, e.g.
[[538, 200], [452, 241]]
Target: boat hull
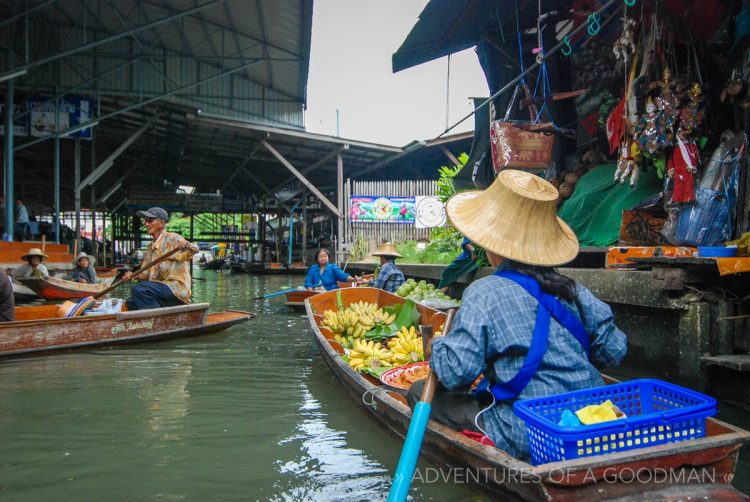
[[31, 336], [689, 468], [296, 299], [54, 289]]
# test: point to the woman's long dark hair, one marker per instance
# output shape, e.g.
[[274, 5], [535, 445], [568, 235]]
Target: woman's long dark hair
[[549, 280]]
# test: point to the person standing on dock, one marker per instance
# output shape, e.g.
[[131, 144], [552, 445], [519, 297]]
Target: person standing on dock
[[168, 283], [325, 273], [390, 276], [22, 222], [33, 266], [531, 331]]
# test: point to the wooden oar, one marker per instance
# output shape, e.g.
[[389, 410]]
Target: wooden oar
[[140, 271], [414, 436], [279, 293]]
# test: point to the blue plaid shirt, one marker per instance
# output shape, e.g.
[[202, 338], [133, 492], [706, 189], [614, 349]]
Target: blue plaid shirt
[[494, 325], [389, 278]]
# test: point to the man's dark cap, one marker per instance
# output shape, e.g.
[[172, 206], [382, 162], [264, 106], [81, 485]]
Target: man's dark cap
[[154, 212]]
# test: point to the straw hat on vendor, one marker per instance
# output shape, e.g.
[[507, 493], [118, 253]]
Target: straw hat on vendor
[[77, 261], [516, 218], [387, 249], [34, 252]]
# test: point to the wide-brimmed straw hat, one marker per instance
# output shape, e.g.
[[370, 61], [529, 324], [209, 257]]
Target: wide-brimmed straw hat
[[34, 252], [516, 218], [92, 260], [387, 249]]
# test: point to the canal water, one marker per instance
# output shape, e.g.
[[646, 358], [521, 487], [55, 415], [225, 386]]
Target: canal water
[[249, 414]]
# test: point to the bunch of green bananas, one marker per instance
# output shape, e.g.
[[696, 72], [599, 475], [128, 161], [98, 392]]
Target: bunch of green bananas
[[369, 355], [406, 347], [346, 341]]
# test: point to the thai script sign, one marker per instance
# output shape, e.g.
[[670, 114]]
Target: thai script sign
[[36, 116], [363, 209]]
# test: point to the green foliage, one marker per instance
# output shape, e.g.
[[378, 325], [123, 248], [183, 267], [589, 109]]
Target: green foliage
[[445, 188]]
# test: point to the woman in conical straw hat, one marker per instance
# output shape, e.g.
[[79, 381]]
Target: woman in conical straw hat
[[390, 277], [33, 266], [524, 315]]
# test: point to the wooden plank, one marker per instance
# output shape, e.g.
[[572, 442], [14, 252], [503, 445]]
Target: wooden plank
[[734, 362]]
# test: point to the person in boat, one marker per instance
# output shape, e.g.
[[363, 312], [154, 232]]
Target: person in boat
[[463, 264], [528, 329], [390, 276], [167, 284], [7, 302], [33, 266], [83, 269], [325, 273]]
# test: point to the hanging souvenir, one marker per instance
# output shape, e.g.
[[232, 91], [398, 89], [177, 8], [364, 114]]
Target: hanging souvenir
[[624, 46], [667, 99], [628, 165], [682, 167], [650, 130], [691, 115]]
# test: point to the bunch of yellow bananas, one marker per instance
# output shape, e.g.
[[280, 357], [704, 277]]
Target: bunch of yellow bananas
[[406, 346], [345, 323], [370, 314], [369, 355]]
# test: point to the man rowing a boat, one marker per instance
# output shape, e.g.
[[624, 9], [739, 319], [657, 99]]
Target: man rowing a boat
[[168, 283], [531, 331]]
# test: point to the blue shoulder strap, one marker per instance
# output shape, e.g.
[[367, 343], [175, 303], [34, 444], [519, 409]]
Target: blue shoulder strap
[[548, 306]]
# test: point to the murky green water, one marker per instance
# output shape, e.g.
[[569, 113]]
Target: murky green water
[[249, 414]]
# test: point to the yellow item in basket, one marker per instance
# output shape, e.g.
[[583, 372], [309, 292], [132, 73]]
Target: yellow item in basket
[[596, 413]]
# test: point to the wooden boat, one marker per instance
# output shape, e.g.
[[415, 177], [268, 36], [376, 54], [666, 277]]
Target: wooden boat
[[296, 299], [214, 264], [108, 272], [23, 294], [697, 468], [365, 277], [37, 328], [53, 288]]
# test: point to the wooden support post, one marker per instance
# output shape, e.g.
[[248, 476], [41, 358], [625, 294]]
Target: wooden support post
[[340, 220]]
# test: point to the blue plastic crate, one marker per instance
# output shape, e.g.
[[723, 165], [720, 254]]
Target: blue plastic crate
[[657, 412]]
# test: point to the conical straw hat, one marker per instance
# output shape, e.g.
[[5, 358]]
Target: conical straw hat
[[387, 249], [516, 218]]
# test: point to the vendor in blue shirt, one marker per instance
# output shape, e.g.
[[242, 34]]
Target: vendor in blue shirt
[[527, 329], [324, 273]]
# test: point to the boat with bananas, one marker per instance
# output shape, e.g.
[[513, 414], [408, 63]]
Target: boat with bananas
[[695, 468], [45, 328]]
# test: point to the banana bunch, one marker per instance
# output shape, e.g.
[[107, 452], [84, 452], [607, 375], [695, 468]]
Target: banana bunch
[[369, 355], [345, 323], [406, 347], [371, 315], [346, 341]]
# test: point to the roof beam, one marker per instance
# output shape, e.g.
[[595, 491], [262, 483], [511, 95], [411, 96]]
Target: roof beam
[[304, 180], [112, 38], [313, 166]]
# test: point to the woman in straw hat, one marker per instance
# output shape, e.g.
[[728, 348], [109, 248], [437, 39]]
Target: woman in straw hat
[[390, 276], [83, 269], [33, 266], [529, 330]]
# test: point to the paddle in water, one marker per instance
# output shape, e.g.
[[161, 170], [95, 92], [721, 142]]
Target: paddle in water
[[279, 293], [407, 464]]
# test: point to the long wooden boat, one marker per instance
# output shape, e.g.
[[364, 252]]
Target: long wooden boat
[[699, 468], [217, 264], [37, 329], [108, 272], [53, 288], [296, 299]]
